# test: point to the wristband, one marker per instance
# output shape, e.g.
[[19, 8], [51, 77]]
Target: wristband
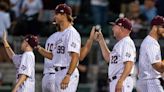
[[68, 74], [6, 46]]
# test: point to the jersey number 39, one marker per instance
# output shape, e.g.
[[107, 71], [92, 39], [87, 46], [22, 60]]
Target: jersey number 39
[[60, 49]]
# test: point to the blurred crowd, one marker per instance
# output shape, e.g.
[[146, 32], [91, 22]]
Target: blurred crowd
[[21, 17]]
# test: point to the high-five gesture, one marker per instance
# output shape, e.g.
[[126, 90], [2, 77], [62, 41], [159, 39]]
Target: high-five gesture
[[87, 47], [99, 36]]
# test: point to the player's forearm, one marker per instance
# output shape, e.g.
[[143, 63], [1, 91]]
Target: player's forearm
[[85, 50], [8, 49], [163, 66], [45, 53], [82, 68], [73, 64], [159, 66], [127, 70], [21, 80], [161, 70], [104, 49]]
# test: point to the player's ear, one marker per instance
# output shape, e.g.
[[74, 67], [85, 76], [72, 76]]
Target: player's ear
[[155, 28], [121, 29], [26, 44]]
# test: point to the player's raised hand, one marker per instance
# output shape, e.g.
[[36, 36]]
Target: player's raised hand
[[4, 36], [65, 82], [92, 33]]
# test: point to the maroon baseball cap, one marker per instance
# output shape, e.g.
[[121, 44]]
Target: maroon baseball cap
[[32, 40], [124, 22], [158, 20], [63, 8]]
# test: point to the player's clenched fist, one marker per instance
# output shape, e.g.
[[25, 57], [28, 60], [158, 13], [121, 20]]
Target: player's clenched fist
[[99, 36]]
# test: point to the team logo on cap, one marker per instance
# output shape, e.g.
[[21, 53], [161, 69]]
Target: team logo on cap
[[61, 10], [120, 24]]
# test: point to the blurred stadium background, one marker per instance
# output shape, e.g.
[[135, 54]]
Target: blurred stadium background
[[93, 71]]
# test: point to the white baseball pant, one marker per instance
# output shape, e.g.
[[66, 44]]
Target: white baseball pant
[[51, 82], [151, 85], [127, 85]]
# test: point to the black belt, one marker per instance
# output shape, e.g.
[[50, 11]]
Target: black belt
[[161, 82], [115, 77], [51, 73], [59, 68]]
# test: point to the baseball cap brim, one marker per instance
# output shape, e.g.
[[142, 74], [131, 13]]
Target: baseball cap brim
[[123, 22], [111, 23], [162, 25]]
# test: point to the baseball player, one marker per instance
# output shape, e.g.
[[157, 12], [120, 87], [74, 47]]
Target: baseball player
[[150, 63], [64, 50], [121, 59], [49, 71], [24, 63]]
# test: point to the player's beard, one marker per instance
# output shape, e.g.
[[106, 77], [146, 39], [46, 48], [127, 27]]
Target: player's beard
[[57, 27], [115, 36], [162, 34]]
